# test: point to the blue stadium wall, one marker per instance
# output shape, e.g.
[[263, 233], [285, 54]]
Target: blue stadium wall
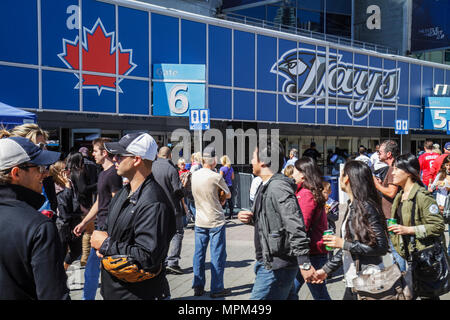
[[251, 74]]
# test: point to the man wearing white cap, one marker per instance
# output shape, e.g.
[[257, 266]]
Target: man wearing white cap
[[140, 225], [31, 264]]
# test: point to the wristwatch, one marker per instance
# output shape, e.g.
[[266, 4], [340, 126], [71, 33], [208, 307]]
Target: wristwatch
[[305, 266]]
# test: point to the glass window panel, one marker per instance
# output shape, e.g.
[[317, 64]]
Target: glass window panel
[[310, 20], [339, 6], [338, 24]]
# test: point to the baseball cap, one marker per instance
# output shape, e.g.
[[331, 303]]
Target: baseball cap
[[134, 144], [447, 146], [15, 151]]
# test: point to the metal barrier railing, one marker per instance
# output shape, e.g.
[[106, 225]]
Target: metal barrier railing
[[307, 33]]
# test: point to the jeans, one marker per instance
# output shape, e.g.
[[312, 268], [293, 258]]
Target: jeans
[[91, 276], [191, 206], [218, 257], [318, 291], [229, 205], [174, 254], [273, 284], [397, 258]]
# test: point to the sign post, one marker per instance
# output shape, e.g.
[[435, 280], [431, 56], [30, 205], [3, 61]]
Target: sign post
[[199, 120], [401, 128]]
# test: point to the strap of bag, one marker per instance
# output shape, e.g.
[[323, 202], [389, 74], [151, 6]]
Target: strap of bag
[[412, 238]]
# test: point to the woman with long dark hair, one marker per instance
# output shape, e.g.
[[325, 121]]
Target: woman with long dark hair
[[83, 191], [363, 232], [310, 197], [428, 226], [68, 213], [442, 183]]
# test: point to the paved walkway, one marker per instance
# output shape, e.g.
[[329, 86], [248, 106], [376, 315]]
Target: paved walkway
[[239, 275]]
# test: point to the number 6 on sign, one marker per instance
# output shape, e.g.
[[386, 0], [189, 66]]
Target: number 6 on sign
[[176, 95]]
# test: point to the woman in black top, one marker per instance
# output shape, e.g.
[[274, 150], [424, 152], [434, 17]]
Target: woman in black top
[[364, 230], [68, 213]]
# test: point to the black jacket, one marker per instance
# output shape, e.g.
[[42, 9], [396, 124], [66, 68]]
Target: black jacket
[[69, 212], [166, 174], [31, 264], [140, 225], [366, 254], [277, 198]]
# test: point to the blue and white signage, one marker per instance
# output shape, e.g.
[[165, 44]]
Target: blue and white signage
[[177, 88], [401, 127], [437, 113], [448, 126], [304, 71], [199, 119]]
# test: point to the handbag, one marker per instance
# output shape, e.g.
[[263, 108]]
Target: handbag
[[430, 267], [388, 284]]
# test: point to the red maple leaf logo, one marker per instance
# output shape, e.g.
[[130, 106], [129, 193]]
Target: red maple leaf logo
[[98, 55]]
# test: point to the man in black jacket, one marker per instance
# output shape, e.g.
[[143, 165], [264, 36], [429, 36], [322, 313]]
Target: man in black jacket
[[166, 174], [31, 260], [140, 223], [281, 242]]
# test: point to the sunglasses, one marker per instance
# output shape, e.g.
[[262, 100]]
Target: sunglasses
[[120, 157], [41, 169]]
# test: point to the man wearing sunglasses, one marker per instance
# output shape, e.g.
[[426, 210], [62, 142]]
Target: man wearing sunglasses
[[140, 223], [31, 265]]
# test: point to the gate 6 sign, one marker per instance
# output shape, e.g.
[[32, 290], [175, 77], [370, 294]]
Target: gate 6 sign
[[177, 88]]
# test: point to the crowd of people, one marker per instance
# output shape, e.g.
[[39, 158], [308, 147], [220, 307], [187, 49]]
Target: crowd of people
[[123, 211]]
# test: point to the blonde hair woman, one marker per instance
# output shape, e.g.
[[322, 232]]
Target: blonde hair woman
[[196, 162], [227, 172], [32, 132]]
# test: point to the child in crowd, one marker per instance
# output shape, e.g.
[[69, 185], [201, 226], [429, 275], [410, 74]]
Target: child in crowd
[[331, 207], [289, 170]]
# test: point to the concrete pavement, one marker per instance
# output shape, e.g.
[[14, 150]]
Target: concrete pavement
[[239, 275]]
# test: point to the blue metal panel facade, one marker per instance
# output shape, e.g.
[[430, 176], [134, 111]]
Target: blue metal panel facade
[[48, 62]]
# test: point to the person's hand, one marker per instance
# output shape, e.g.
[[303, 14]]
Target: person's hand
[[401, 230], [377, 181], [99, 254], [321, 275], [97, 239], [309, 275], [245, 216], [333, 241], [78, 230]]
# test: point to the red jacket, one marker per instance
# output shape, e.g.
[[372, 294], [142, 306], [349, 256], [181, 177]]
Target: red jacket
[[314, 217]]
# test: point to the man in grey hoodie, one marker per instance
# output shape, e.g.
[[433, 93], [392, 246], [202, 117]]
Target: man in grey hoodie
[[281, 242]]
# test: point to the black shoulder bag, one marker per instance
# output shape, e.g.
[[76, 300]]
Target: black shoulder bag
[[430, 266]]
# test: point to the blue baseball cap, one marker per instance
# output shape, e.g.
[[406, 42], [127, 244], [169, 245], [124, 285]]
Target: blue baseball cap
[[16, 151], [447, 146]]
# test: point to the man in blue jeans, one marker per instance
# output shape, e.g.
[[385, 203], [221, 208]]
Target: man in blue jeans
[[209, 226], [276, 216], [109, 183]]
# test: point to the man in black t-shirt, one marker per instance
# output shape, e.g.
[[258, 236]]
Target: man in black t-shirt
[[108, 184], [312, 152]]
